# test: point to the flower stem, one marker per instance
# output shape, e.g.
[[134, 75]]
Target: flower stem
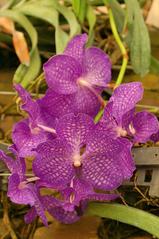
[[120, 44]]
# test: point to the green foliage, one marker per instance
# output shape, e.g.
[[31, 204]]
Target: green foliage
[[140, 50], [128, 215], [80, 9], [154, 67], [91, 17], [118, 13], [48, 11], [26, 73]]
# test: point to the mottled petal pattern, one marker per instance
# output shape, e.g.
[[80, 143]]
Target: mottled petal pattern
[[75, 47], [84, 101], [26, 139], [52, 164], [125, 98], [145, 124], [75, 129], [61, 73], [97, 67], [55, 105], [68, 217], [103, 171], [18, 192], [30, 106]]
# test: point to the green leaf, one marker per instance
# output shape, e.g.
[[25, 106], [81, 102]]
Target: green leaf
[[24, 74], [154, 67], [80, 9], [91, 17], [76, 6], [24, 22], [66, 12], [128, 215], [50, 15], [140, 49]]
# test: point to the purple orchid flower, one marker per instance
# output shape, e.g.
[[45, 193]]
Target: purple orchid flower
[[120, 120], [37, 128], [81, 160], [54, 207], [22, 190], [80, 74]]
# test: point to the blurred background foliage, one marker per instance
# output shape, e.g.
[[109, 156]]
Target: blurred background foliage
[[40, 28]]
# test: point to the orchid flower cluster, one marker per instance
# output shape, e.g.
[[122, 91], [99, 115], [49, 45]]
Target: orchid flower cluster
[[79, 159]]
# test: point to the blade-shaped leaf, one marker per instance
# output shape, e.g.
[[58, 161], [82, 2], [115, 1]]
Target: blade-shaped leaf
[[24, 22], [140, 50], [50, 15], [80, 8], [91, 17], [128, 215], [154, 67], [25, 74], [67, 13]]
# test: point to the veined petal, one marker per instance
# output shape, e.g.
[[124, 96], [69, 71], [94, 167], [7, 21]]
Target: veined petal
[[29, 105], [16, 166], [19, 195], [85, 101], [68, 217], [155, 137], [145, 124], [55, 105], [74, 129], [97, 67], [75, 47], [53, 163], [61, 74], [107, 163], [103, 171], [26, 139], [125, 98]]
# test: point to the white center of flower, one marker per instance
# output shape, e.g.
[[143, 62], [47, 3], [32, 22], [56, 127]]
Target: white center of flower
[[81, 81], [131, 128], [35, 130], [121, 132], [77, 160]]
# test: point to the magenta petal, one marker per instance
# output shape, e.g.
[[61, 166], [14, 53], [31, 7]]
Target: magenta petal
[[103, 171], [107, 162], [74, 129], [125, 98], [30, 215], [53, 164], [16, 166], [85, 101], [127, 118], [19, 195], [28, 105], [97, 67], [155, 137], [145, 124], [27, 139], [61, 74], [68, 217], [75, 47]]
